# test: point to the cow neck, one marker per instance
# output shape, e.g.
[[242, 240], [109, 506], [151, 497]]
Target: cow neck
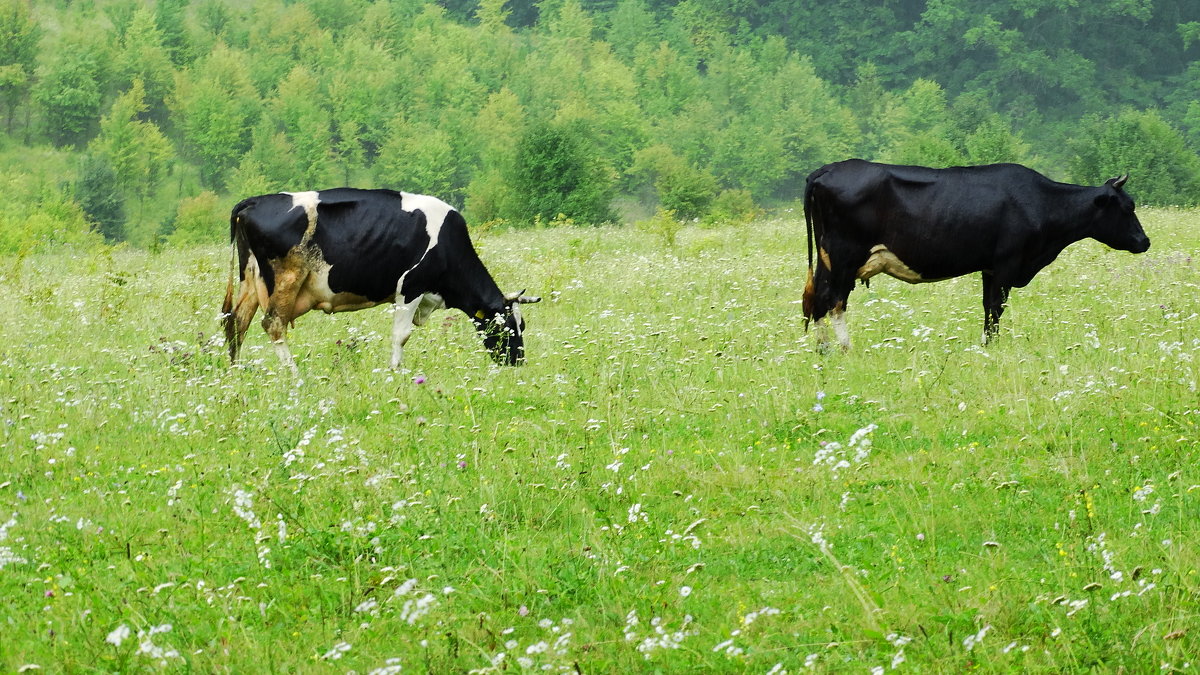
[[474, 289], [1071, 222], [1065, 227]]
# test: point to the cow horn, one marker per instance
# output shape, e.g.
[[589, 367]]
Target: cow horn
[[1118, 182], [520, 298]]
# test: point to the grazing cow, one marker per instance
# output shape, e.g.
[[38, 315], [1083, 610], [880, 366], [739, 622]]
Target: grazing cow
[[919, 224], [346, 249]]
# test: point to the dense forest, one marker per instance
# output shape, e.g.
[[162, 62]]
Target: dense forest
[[144, 121]]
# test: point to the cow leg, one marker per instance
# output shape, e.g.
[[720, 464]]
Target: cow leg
[[241, 311], [837, 316], [825, 296], [402, 326], [995, 295], [281, 311]]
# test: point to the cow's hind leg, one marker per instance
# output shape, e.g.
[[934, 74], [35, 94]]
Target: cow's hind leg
[[280, 312], [826, 295], [240, 311], [995, 296]]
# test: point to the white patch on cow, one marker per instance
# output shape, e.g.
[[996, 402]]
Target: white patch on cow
[[435, 211], [838, 318], [883, 260], [307, 201]]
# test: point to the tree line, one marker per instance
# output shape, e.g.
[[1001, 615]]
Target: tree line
[[143, 121]]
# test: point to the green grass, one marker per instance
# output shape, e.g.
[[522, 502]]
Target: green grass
[[642, 496]]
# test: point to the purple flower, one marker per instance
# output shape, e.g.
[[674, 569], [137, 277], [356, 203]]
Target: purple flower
[[462, 464], [419, 379]]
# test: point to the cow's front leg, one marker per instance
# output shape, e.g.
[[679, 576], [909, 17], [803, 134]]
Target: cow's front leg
[[995, 295], [402, 327]]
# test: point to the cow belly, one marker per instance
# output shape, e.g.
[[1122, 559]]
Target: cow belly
[[316, 294], [884, 261]]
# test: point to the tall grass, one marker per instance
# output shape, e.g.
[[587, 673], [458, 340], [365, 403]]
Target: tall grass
[[676, 481]]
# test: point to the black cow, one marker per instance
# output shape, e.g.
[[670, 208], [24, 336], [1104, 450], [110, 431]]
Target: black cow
[[347, 249], [920, 224]]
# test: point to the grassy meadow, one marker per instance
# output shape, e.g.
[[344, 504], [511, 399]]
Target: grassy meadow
[[677, 481]]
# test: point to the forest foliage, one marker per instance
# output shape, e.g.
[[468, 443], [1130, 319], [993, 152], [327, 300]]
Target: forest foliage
[[142, 122]]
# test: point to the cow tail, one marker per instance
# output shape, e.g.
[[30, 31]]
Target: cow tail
[[237, 254], [809, 287]]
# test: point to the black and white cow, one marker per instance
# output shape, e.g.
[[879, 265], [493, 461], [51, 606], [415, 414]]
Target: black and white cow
[[346, 249], [919, 224]]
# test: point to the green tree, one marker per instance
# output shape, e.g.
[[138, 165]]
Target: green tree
[[69, 94], [169, 18], [874, 108], [138, 152], [214, 106], [143, 57], [98, 193], [19, 35], [993, 141], [270, 163], [284, 37], [632, 26], [577, 82], [419, 158], [308, 127], [358, 86]]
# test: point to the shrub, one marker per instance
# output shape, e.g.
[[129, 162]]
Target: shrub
[[198, 220], [732, 207], [39, 217], [558, 171], [680, 187], [663, 224]]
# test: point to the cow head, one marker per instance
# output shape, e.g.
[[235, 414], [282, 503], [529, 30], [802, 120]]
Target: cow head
[[503, 329], [1115, 223]]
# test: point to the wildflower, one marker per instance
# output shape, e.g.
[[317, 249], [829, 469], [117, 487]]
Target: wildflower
[[336, 652], [419, 379], [118, 635], [685, 591], [971, 640]]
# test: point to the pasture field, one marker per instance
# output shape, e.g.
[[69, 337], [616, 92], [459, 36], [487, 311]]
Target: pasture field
[[677, 481]]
